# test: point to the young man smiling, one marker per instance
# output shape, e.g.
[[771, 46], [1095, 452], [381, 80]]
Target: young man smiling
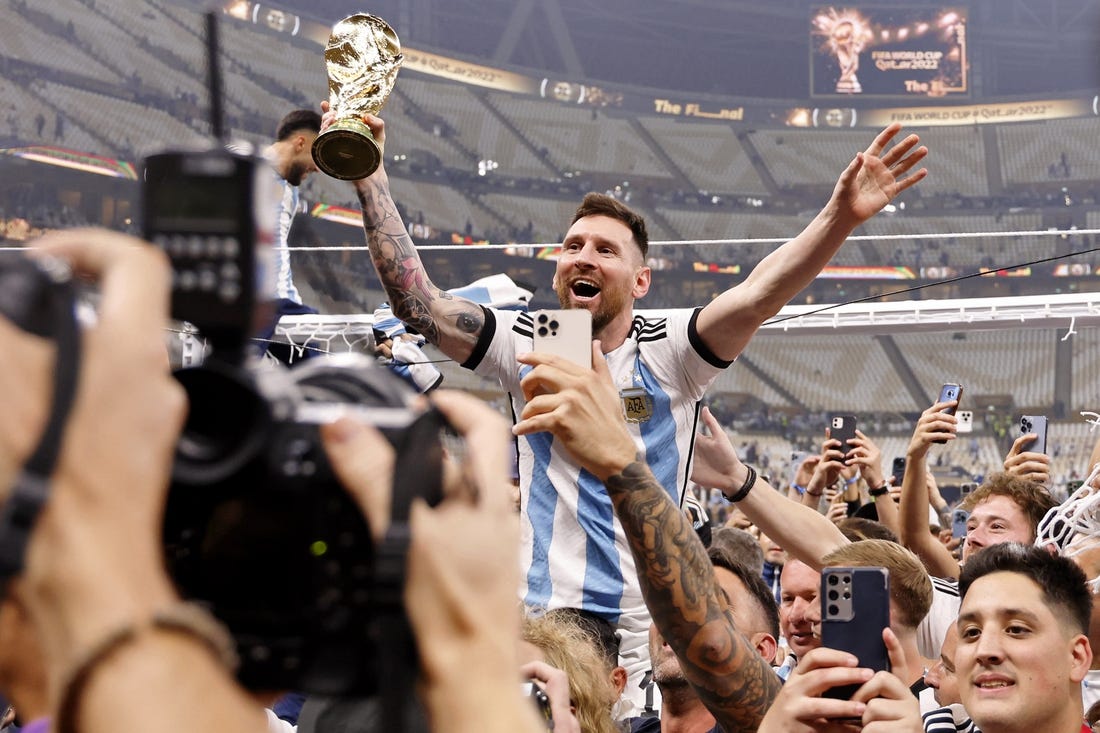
[[1023, 647]]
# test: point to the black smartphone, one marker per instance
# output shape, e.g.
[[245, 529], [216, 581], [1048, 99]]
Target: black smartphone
[[1034, 424], [843, 427], [950, 392], [855, 608], [897, 470]]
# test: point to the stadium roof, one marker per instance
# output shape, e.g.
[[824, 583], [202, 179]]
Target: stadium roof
[[729, 47]]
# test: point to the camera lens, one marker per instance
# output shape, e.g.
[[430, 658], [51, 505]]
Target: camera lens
[[227, 424], [833, 580], [543, 331], [543, 318], [833, 595], [553, 325], [834, 610]]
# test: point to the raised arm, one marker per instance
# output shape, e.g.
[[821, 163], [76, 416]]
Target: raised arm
[[803, 532], [934, 424], [868, 456], [582, 409], [449, 322], [870, 181]]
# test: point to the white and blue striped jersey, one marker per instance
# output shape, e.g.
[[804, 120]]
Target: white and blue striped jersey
[[287, 207], [574, 551]]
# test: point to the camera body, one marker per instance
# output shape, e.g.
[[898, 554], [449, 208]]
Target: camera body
[[257, 527]]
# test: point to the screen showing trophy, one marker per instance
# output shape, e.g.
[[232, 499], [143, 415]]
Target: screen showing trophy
[[888, 52]]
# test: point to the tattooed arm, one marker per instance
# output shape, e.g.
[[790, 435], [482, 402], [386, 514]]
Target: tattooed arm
[[451, 323], [581, 408]]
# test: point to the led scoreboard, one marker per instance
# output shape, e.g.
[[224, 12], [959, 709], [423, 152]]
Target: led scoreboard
[[888, 52]]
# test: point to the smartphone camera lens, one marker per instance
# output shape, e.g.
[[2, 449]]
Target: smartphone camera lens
[[834, 610], [847, 596], [553, 325], [543, 331], [833, 580], [543, 318], [833, 595]]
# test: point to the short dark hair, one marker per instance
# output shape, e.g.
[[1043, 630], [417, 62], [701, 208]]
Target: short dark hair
[[1032, 498], [299, 119], [740, 544], [600, 204], [1061, 582], [757, 588]]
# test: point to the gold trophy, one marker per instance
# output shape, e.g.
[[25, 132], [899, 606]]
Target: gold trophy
[[362, 58]]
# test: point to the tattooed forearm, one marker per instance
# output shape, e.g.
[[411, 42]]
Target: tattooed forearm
[[687, 605], [414, 298]]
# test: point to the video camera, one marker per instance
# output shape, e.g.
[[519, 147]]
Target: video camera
[[257, 527]]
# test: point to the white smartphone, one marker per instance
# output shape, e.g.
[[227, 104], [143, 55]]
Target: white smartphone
[[564, 333], [965, 422]]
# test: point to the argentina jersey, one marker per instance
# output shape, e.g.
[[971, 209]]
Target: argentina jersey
[[573, 548], [287, 207]]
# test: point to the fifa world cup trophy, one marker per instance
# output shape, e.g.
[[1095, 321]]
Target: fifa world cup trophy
[[362, 58], [848, 45]]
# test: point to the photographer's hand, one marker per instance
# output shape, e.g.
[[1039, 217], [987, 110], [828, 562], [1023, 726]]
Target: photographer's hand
[[460, 591], [94, 562]]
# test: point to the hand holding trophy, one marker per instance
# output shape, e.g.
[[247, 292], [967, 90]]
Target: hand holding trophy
[[362, 58]]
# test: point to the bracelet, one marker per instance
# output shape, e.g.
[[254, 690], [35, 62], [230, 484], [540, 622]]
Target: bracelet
[[799, 488], [880, 491], [745, 487], [181, 618], [852, 480], [814, 493]]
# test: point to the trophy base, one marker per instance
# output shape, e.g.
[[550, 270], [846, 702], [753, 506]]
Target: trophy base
[[347, 150]]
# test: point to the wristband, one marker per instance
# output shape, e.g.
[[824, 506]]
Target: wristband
[[799, 488], [746, 487], [180, 618], [880, 491], [852, 480]]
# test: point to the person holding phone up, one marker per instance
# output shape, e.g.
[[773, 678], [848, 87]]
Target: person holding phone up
[[1004, 508]]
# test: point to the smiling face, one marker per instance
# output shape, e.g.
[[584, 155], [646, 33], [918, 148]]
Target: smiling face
[[601, 270], [997, 519], [1019, 664], [799, 610]]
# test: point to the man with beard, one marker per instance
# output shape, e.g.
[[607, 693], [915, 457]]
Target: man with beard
[[575, 552], [291, 156]]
